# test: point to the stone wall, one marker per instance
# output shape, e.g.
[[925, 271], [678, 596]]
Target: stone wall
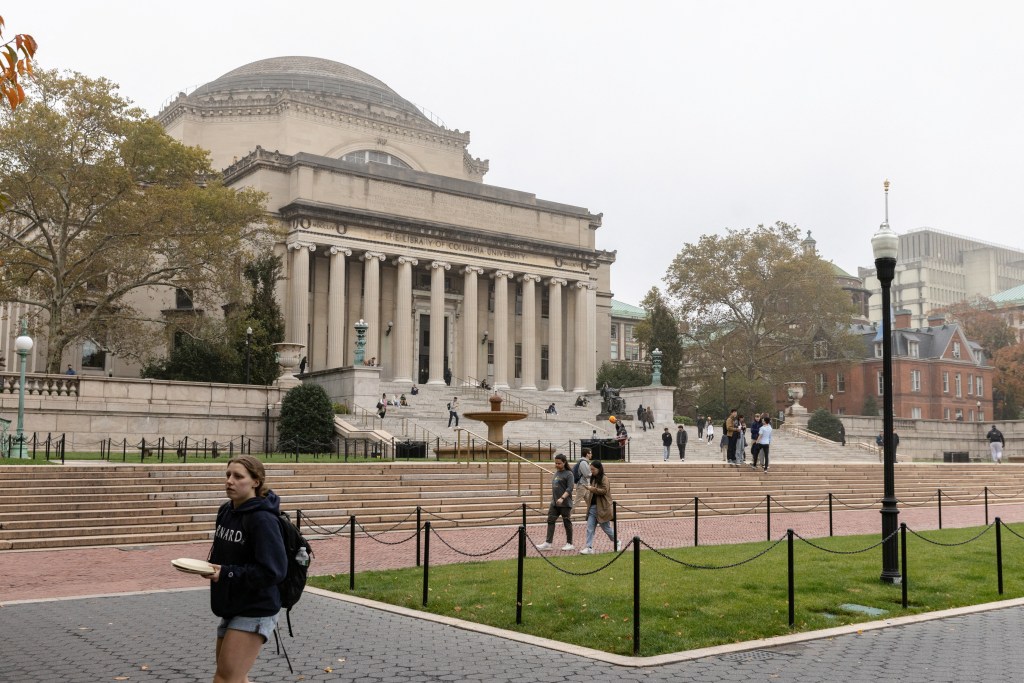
[[90, 409], [929, 439]]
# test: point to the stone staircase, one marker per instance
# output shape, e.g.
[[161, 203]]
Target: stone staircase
[[95, 505]]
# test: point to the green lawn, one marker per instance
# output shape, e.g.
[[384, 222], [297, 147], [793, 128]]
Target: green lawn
[[685, 608]]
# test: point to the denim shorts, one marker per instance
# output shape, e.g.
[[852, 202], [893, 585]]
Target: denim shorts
[[263, 625]]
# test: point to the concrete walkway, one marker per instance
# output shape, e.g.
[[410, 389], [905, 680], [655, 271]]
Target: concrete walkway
[[166, 633]]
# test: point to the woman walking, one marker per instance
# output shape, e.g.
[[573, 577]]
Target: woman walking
[[561, 503], [249, 562], [599, 506]]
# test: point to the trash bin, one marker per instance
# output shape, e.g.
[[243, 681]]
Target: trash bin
[[604, 449], [955, 456], [410, 449]]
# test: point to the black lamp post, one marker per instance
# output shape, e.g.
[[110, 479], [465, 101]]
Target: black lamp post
[[885, 245], [725, 403], [977, 413], [831, 397], [248, 355]]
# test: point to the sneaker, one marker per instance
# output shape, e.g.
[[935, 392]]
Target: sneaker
[[587, 551], [568, 546], [544, 546], [765, 469]]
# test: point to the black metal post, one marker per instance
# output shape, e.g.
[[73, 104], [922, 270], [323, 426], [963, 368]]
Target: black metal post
[[266, 430], [999, 554], [248, 355], [519, 575], [903, 552], [615, 523], [885, 268], [830, 514], [636, 595], [418, 528], [696, 519], [940, 508], [768, 498], [986, 506], [524, 514], [792, 591], [426, 561], [352, 552]]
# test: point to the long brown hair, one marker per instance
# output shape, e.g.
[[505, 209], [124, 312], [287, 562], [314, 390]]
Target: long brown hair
[[256, 470], [597, 472]]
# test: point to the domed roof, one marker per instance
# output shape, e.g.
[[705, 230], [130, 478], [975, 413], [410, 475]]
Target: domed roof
[[312, 75]]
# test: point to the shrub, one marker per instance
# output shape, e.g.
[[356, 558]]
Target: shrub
[[340, 408], [824, 423], [307, 420]]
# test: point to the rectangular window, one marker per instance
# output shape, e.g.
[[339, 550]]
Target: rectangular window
[[544, 362], [881, 385], [614, 350], [970, 385], [820, 350], [959, 385], [545, 302], [628, 332], [93, 356], [821, 382], [956, 349], [979, 386], [945, 382], [182, 299], [914, 349], [490, 352], [519, 361], [915, 413], [915, 380], [615, 331], [878, 349], [981, 416], [945, 413], [840, 382], [519, 298], [633, 352]]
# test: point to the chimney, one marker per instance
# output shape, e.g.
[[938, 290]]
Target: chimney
[[936, 319], [901, 320]]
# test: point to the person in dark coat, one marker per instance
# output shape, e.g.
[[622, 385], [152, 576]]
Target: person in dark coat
[[681, 442]]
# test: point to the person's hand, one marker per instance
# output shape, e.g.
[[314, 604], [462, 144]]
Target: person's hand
[[215, 576]]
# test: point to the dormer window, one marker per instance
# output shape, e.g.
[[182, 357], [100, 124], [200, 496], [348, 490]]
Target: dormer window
[[914, 349], [820, 350], [365, 156], [878, 349]]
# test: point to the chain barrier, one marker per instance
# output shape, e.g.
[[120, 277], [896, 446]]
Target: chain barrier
[[963, 502], [671, 511], [322, 529], [392, 528], [537, 510], [952, 545], [776, 501], [572, 573], [916, 505], [846, 552], [467, 554], [373, 537], [475, 522], [711, 566], [741, 512], [996, 495], [864, 506], [1007, 527]]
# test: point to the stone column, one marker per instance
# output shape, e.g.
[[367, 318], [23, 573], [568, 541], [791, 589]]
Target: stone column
[[470, 341], [371, 302], [403, 319], [529, 331], [555, 285], [299, 292], [437, 349], [336, 308], [581, 351], [501, 339]]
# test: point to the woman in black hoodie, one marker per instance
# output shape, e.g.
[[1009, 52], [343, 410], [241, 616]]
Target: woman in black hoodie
[[249, 562]]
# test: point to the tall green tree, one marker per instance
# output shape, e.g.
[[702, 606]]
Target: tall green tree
[[660, 330], [263, 315], [753, 301], [102, 204]]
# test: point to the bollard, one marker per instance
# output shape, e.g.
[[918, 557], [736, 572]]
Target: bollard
[[636, 595], [352, 552], [696, 519], [940, 508], [615, 524], [986, 506], [768, 498], [519, 575], [418, 527], [792, 596], [903, 553], [524, 514], [830, 514], [426, 561], [999, 554], [298, 519], [124, 449]]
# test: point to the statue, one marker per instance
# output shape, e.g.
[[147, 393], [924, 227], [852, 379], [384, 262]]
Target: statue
[[611, 402]]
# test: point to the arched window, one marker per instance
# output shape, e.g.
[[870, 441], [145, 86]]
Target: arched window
[[365, 156]]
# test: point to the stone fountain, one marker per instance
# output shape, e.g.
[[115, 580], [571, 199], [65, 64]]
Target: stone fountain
[[496, 418]]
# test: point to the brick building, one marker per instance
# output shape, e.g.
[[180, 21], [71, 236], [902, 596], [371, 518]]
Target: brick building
[[938, 374]]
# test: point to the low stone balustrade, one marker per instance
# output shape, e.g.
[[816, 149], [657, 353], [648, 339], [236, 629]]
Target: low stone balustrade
[[40, 385]]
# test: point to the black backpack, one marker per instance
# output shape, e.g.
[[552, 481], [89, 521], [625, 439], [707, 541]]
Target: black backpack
[[576, 476], [294, 581]]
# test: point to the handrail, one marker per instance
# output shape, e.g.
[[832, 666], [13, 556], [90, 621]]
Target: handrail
[[594, 427], [513, 402], [509, 455], [796, 431]]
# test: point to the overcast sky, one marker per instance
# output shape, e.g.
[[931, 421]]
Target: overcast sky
[[673, 119]]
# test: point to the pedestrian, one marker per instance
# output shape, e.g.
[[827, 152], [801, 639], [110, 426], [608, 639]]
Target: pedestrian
[[879, 441], [382, 406], [415, 390], [70, 370], [453, 411], [561, 504], [448, 376], [732, 434], [649, 416], [700, 426], [842, 434], [551, 410], [995, 444], [741, 442], [666, 442], [621, 436], [755, 427], [640, 416], [681, 442], [709, 430], [598, 501], [249, 561], [581, 480], [764, 440], [302, 366]]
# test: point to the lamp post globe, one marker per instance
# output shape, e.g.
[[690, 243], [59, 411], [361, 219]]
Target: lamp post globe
[[725, 403], [248, 355], [885, 246], [22, 345], [831, 397]]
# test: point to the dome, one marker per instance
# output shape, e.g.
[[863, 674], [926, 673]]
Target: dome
[[311, 75]]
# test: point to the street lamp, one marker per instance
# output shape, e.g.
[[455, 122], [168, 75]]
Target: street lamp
[[831, 397], [725, 404], [248, 355], [22, 345], [977, 413], [885, 245]]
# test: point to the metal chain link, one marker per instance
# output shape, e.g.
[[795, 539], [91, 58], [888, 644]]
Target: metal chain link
[[322, 529], [1007, 527], [671, 511], [864, 506], [1015, 495], [845, 552], [724, 566], [789, 509], [969, 500], [474, 521], [952, 545], [460, 552], [373, 537], [572, 573], [742, 512], [916, 505]]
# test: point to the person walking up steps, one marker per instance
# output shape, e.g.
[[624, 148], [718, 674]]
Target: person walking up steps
[[995, 444], [666, 442], [709, 431], [453, 411], [681, 442], [598, 499], [764, 440], [561, 503]]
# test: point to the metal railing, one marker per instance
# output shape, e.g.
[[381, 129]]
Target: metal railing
[[510, 459]]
